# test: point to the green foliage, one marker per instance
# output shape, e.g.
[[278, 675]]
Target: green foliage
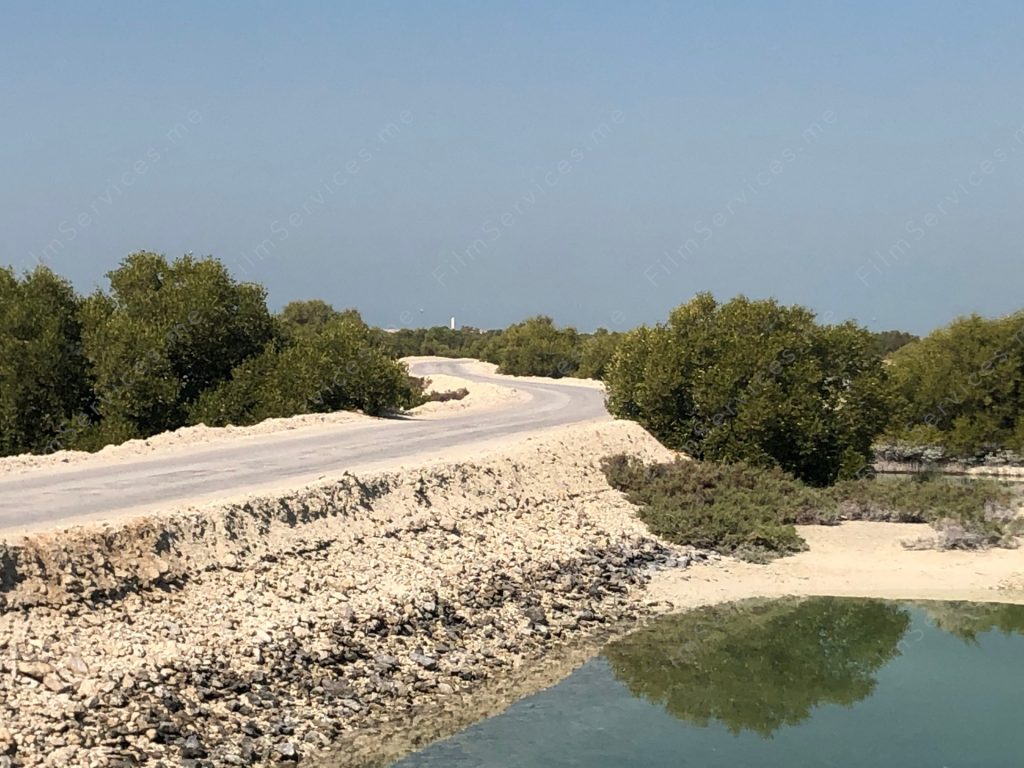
[[596, 353], [174, 343], [535, 347], [973, 514], [755, 381], [44, 380], [923, 499], [731, 508], [747, 381], [444, 397], [164, 334], [750, 512], [962, 387], [760, 666], [300, 318], [887, 342], [239, 400], [441, 341], [337, 368]]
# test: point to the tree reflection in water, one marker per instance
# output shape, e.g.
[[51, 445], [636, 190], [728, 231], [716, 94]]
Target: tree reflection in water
[[760, 665], [968, 620]]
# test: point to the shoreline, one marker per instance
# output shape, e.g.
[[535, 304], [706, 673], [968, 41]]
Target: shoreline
[[853, 559], [887, 571], [305, 626], [270, 630]]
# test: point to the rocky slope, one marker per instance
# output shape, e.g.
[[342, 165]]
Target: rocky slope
[[269, 630]]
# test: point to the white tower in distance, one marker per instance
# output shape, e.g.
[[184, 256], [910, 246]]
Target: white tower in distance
[[452, 323]]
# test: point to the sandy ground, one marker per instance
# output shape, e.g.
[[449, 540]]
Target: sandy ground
[[855, 559], [482, 395]]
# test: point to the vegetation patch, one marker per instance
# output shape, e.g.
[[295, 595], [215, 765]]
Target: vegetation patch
[[731, 508], [961, 389], [534, 347], [750, 512], [173, 344], [756, 382], [447, 396]]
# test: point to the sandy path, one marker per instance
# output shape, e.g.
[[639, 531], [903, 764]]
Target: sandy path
[[855, 559]]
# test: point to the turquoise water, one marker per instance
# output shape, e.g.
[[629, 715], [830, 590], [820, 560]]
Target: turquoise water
[[824, 682]]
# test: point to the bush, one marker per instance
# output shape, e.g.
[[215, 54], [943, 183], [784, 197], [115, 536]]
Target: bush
[[596, 353], [337, 368], [756, 382], [535, 347], [750, 512], [447, 396], [44, 378], [731, 508], [962, 388], [166, 333], [923, 499]]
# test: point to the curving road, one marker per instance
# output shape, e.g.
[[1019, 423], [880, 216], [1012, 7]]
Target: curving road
[[60, 495]]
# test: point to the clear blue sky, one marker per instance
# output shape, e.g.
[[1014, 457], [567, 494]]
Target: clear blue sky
[[597, 161]]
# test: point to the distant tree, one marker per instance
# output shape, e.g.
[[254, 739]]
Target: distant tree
[[596, 352], [887, 342], [754, 381], [299, 317], [44, 380], [404, 342], [165, 333], [535, 347], [962, 386]]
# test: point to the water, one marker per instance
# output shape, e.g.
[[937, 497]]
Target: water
[[824, 682]]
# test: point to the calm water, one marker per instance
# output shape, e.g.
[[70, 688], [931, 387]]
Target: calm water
[[824, 682]]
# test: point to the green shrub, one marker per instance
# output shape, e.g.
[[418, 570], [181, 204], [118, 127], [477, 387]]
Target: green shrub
[[596, 353], [962, 387], [757, 382], [44, 377], [536, 347], [731, 508], [972, 514], [922, 499], [448, 395], [750, 512], [337, 368], [164, 334]]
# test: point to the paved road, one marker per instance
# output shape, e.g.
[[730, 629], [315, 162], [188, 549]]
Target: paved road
[[42, 497]]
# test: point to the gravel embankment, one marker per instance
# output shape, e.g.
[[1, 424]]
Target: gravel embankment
[[266, 632]]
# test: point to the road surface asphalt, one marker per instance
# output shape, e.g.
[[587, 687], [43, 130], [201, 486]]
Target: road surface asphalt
[[39, 498]]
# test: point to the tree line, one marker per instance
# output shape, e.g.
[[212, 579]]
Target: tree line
[[534, 347], [767, 384], [172, 344], [177, 343]]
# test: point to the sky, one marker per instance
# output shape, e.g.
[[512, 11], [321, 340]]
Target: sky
[[599, 162]]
